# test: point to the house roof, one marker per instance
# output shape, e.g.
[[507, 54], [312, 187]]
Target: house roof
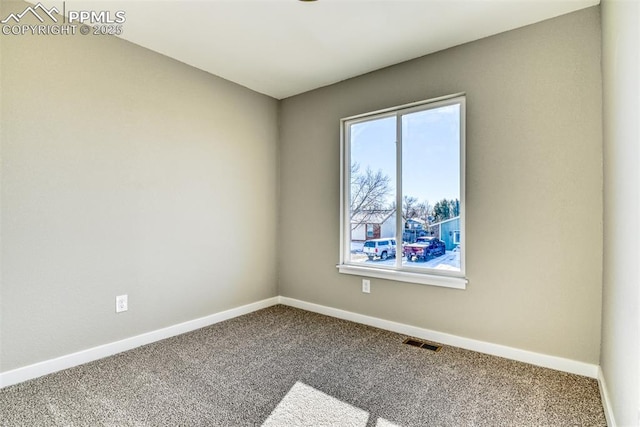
[[418, 220], [372, 217], [445, 221]]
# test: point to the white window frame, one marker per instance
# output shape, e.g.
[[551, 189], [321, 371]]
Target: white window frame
[[444, 278]]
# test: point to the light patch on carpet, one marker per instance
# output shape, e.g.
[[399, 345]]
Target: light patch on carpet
[[303, 405], [381, 422]]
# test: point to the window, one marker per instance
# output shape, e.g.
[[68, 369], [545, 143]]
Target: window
[[456, 237], [403, 176]]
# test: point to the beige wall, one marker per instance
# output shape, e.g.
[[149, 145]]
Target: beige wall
[[534, 190], [620, 356], [126, 172]]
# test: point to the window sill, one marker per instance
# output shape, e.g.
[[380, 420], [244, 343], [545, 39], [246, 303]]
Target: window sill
[[405, 276]]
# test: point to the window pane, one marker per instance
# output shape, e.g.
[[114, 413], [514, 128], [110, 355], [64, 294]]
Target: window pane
[[431, 188], [372, 191], [403, 193]]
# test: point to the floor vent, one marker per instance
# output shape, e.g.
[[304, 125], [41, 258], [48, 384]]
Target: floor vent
[[422, 344]]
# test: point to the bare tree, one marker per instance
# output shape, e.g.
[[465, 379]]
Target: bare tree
[[369, 193], [409, 207], [424, 211]]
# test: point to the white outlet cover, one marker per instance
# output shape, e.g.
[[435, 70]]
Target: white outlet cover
[[122, 303], [366, 286]]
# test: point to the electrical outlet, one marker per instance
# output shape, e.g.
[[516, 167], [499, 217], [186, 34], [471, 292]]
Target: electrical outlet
[[366, 286], [122, 303]]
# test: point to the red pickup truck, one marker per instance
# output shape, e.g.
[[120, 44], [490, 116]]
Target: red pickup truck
[[423, 248]]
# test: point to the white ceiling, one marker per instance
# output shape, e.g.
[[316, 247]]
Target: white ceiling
[[285, 47]]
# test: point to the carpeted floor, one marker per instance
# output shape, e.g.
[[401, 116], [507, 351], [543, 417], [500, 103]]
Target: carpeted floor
[[284, 366]]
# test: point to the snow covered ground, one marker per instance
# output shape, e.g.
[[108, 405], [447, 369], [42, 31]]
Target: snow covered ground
[[449, 261]]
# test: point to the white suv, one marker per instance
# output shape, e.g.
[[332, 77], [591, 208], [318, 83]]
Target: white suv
[[380, 248]]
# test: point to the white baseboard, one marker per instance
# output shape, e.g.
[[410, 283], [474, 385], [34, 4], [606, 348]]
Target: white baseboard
[[70, 360], [606, 403], [539, 359]]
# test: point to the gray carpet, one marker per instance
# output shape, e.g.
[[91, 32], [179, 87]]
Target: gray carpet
[[283, 366]]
